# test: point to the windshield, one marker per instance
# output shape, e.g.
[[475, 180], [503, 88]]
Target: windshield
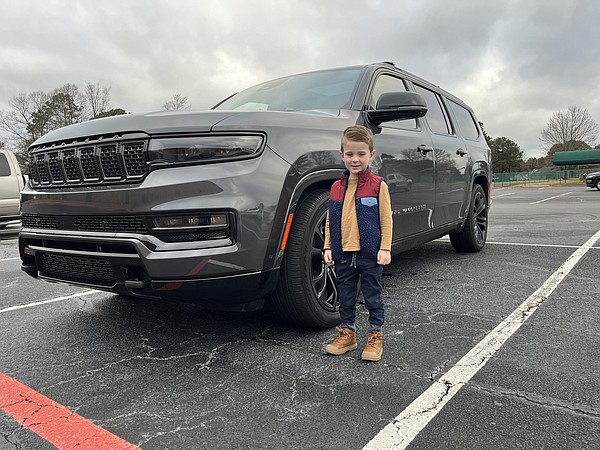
[[331, 89]]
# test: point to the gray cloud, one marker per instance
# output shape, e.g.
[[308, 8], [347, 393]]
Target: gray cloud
[[515, 62]]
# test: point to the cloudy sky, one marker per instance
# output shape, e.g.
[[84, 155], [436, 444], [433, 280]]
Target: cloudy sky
[[516, 62]]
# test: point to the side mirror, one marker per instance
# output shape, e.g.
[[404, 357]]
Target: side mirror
[[397, 106]]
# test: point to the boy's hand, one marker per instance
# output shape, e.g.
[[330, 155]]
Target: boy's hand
[[384, 257], [327, 257]]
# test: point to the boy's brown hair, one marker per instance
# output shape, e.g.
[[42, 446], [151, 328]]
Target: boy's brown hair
[[358, 133]]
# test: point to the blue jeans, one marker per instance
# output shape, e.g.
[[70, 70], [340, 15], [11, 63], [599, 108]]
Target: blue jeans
[[349, 270]]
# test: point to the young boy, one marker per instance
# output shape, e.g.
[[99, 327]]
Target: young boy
[[358, 238]]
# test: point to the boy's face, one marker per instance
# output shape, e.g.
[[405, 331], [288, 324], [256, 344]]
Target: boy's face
[[356, 156]]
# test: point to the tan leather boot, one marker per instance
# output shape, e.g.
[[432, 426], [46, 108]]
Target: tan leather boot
[[374, 347], [343, 342]]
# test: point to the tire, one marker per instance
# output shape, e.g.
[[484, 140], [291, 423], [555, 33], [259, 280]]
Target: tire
[[473, 235], [598, 184], [306, 293]]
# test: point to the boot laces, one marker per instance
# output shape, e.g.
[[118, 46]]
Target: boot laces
[[373, 339], [342, 334]]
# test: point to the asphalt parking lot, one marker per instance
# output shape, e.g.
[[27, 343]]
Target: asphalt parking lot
[[498, 349]]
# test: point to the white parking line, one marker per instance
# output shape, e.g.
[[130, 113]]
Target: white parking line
[[519, 244], [44, 302], [503, 195], [409, 423], [550, 198], [523, 244]]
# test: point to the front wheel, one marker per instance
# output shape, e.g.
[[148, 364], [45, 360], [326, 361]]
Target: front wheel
[[473, 235], [598, 184], [306, 293]]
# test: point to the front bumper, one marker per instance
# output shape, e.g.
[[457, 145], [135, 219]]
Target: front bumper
[[125, 265], [105, 237]]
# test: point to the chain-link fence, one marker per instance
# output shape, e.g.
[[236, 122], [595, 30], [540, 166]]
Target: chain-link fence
[[512, 178]]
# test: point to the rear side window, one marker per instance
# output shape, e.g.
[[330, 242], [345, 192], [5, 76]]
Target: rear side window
[[465, 120], [436, 116], [4, 167]]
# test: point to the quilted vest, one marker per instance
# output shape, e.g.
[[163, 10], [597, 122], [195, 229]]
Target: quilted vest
[[367, 214]]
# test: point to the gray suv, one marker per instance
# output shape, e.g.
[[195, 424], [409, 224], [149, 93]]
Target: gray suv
[[227, 207]]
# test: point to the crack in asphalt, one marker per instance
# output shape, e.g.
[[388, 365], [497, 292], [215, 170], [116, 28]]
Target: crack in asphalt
[[7, 437], [291, 408], [444, 387], [541, 400], [40, 407], [31, 421]]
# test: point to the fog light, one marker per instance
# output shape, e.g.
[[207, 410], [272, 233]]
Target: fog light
[[191, 221], [218, 219]]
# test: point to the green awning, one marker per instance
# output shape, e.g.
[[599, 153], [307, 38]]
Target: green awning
[[591, 156]]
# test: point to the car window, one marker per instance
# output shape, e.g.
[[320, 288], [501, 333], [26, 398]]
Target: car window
[[332, 89], [4, 167], [436, 116], [465, 121], [387, 83]]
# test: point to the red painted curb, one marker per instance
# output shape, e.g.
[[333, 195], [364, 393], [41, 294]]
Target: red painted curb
[[52, 421]]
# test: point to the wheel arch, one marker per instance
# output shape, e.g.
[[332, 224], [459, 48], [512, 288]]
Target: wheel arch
[[480, 176], [322, 179]]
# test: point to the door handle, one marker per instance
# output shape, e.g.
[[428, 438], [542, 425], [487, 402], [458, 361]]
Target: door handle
[[424, 149], [461, 152]]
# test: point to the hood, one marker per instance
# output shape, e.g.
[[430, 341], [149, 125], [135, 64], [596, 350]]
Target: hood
[[151, 123], [168, 122]]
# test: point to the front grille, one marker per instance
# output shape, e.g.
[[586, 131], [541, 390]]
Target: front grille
[[122, 224], [45, 222], [110, 224], [99, 161], [77, 269]]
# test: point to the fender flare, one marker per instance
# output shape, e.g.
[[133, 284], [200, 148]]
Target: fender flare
[[318, 179]]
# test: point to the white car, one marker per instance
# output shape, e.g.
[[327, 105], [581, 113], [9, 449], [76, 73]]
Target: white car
[[11, 184]]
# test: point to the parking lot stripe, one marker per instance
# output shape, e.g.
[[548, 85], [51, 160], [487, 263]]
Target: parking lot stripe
[[44, 302], [9, 259], [551, 198], [53, 422], [408, 424]]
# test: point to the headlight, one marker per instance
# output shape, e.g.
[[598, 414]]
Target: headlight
[[203, 148]]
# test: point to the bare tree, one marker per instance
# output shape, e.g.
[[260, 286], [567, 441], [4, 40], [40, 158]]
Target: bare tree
[[33, 115], [574, 124], [176, 103], [15, 123], [97, 98]]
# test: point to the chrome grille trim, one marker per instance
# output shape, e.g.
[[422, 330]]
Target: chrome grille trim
[[87, 162]]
